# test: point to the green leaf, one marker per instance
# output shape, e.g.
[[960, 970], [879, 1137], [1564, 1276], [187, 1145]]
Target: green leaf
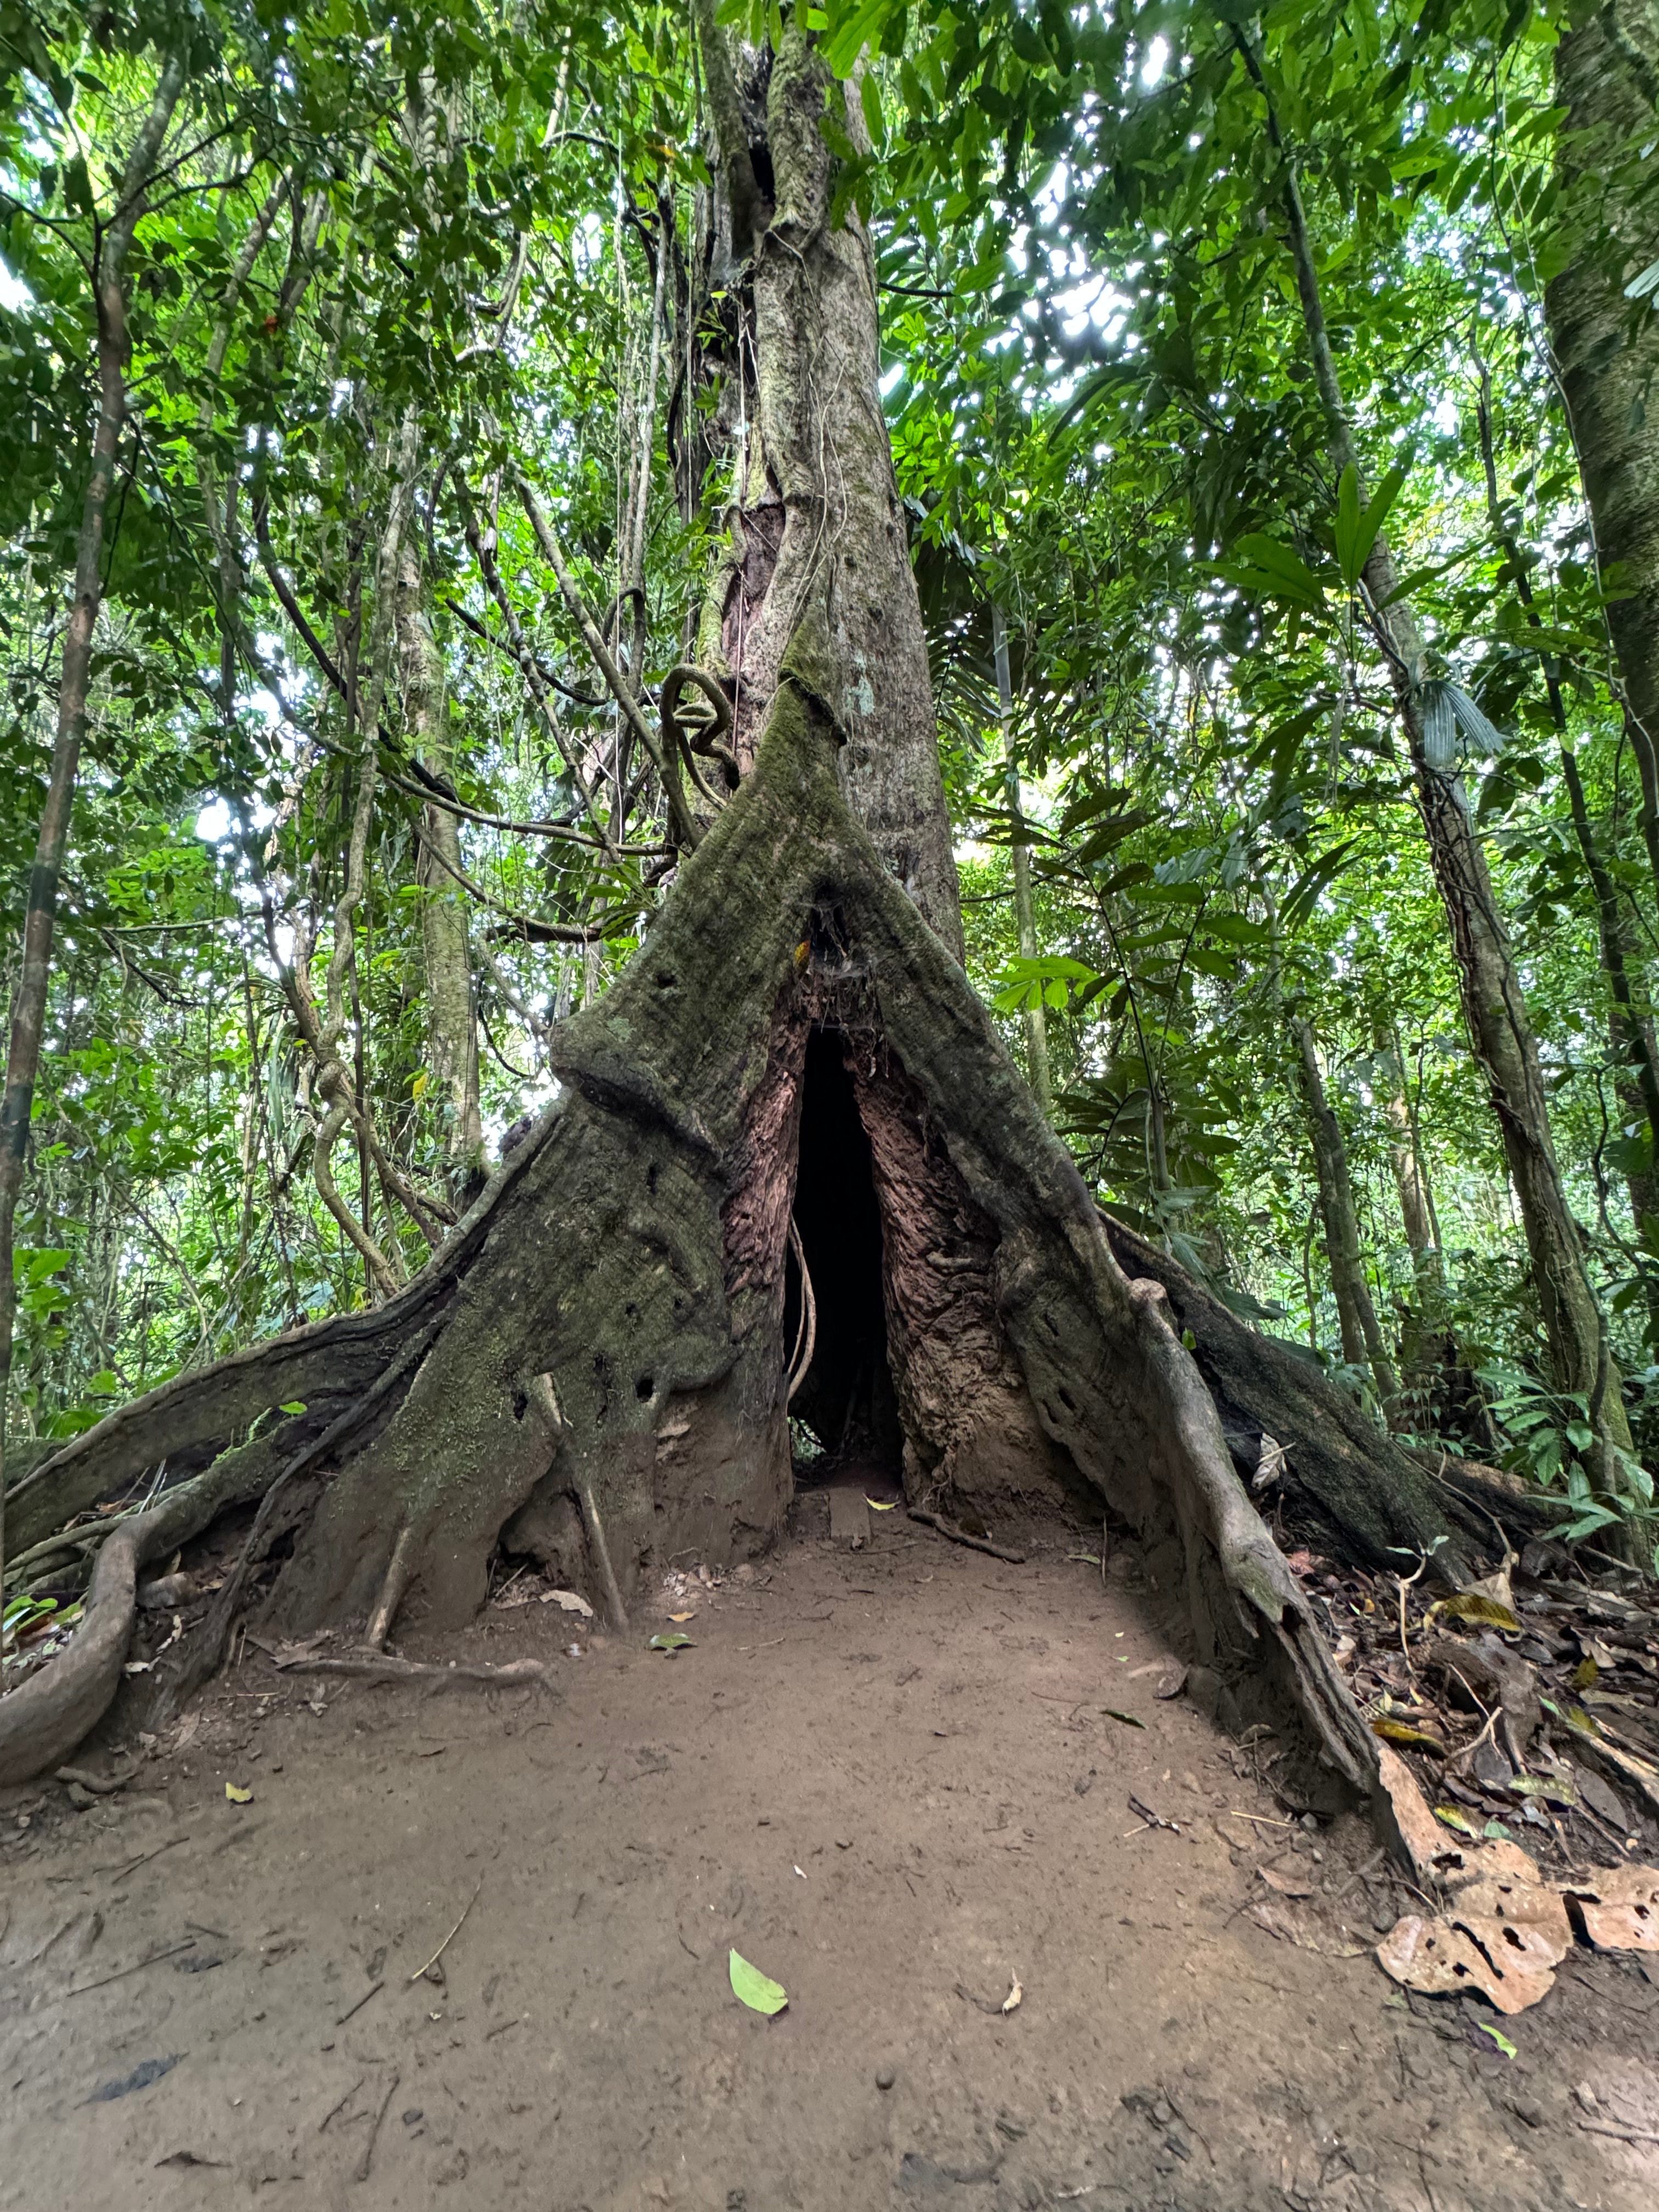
[[870, 100], [756, 1990], [1300, 902], [1356, 526], [293, 1405], [849, 42], [1455, 1817], [669, 1640], [1261, 566], [1486, 2028]]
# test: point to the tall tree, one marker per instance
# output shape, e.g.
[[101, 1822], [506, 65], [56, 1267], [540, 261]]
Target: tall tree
[[1494, 1003], [1606, 345], [602, 1342], [452, 1024], [112, 227]]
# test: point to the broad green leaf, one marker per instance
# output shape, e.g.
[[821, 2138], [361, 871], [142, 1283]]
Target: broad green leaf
[[756, 1990]]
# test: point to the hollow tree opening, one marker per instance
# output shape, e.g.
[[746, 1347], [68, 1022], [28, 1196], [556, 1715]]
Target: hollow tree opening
[[846, 1397]]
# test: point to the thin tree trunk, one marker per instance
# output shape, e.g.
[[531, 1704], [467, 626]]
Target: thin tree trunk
[[1606, 347], [1494, 1006], [1362, 1339], [1411, 1179], [1037, 1027], [29, 1006], [340, 1097], [1362, 1346], [452, 1027], [1629, 1027]]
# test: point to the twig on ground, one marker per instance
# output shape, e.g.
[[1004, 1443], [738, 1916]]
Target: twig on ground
[[961, 1536], [352, 2011], [334, 2111], [595, 1527], [121, 1867], [138, 1967], [453, 1934], [365, 2161], [381, 1667], [1467, 1751], [1403, 1582], [1620, 2135]]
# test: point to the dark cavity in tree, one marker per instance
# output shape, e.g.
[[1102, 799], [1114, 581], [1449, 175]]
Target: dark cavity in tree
[[847, 1399]]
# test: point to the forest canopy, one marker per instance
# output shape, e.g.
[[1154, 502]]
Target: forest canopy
[[1269, 391]]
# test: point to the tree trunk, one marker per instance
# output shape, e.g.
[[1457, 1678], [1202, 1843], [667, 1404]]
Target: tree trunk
[[1494, 1006], [1037, 1026], [1606, 347], [1629, 1024], [28, 1013], [1411, 1178], [1344, 1489], [1362, 1339], [451, 1025], [818, 545]]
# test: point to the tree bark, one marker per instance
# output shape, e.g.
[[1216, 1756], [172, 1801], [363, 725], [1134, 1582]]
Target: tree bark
[[1411, 1179], [1363, 1344], [28, 1016], [1494, 1005], [1037, 1026], [817, 543], [451, 1023], [1606, 347]]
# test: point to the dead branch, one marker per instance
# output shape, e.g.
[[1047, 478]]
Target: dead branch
[[961, 1536]]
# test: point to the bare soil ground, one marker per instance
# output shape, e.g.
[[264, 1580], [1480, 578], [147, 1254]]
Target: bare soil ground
[[896, 1779]]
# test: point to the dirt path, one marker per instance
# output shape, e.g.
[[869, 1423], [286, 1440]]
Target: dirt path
[[889, 1779]]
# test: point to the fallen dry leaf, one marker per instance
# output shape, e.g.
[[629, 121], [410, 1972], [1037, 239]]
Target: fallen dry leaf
[[1506, 1929], [1287, 1885], [1015, 1997], [568, 1602], [1442, 1960], [1407, 1737], [677, 1618], [1428, 1845], [1621, 1908], [1480, 1611]]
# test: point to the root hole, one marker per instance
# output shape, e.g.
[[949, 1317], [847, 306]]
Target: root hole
[[847, 1402]]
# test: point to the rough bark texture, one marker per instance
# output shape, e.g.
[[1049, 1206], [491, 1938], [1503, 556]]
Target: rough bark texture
[[1362, 1339], [816, 526], [1606, 347], [451, 1030]]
